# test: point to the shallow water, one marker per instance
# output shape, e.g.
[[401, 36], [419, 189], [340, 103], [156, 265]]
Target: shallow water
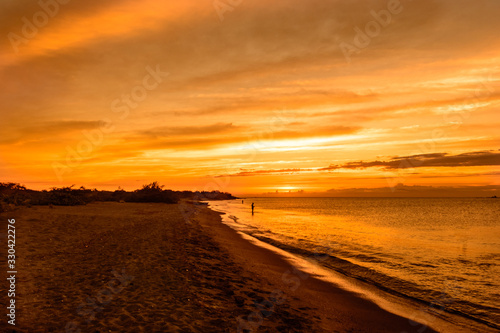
[[440, 251]]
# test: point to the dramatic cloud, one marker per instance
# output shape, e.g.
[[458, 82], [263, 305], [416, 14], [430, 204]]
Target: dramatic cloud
[[481, 158], [272, 91]]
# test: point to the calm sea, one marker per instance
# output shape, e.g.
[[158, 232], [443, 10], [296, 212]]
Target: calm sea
[[442, 251]]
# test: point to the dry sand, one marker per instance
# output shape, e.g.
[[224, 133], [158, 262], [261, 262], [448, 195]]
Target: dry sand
[[112, 267]]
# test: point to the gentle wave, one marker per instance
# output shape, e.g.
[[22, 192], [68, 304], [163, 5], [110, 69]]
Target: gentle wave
[[431, 298], [428, 276]]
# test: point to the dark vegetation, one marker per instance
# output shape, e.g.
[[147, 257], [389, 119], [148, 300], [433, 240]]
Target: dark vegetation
[[12, 195]]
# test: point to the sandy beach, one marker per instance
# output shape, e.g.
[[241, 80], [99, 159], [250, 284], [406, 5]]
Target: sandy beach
[[116, 267]]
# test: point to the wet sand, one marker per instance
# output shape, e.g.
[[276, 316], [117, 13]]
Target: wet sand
[[114, 267]]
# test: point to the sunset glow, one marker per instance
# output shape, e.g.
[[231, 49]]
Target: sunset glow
[[254, 98]]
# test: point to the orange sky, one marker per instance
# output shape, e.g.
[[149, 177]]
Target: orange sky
[[250, 98]]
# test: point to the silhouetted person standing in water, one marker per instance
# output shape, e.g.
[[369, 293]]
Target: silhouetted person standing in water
[[252, 207]]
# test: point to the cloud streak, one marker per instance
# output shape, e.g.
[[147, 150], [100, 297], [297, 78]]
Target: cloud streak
[[48, 129], [267, 91], [480, 158], [218, 128], [247, 173]]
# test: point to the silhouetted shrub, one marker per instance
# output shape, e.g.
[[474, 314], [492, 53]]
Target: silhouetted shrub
[[153, 192], [66, 196], [12, 194]]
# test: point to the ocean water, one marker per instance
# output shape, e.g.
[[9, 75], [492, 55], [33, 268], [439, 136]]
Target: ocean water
[[441, 252]]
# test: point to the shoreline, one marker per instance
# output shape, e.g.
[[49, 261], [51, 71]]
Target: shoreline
[[338, 308], [141, 267], [429, 316], [132, 267]]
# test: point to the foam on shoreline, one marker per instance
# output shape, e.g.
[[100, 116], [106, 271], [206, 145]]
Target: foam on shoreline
[[430, 314]]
